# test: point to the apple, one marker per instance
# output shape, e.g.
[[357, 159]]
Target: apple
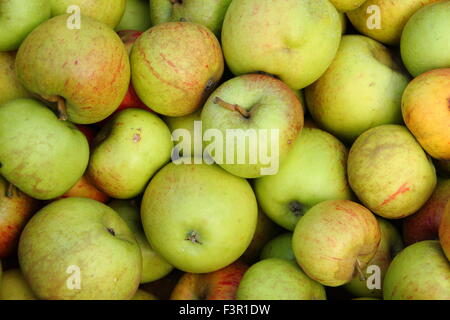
[[444, 231], [270, 36], [10, 87], [198, 217], [78, 248], [425, 107], [419, 272], [136, 16], [361, 89], [14, 287], [109, 12], [425, 39], [85, 189], [389, 171], [424, 224], [129, 150], [347, 5], [175, 66], [41, 155], [209, 13], [391, 16], [313, 171], [154, 267], [334, 239], [143, 295], [252, 104], [218, 285], [18, 18], [278, 279], [85, 70], [163, 287], [279, 247]]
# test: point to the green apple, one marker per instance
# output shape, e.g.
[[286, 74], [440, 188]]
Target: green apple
[[14, 287], [198, 217], [278, 279], [144, 295], [420, 272], [78, 248], [258, 118], [334, 239], [313, 171], [361, 89], [389, 171], [281, 38], [10, 86], [86, 70], [425, 41], [371, 284], [209, 13], [18, 18], [136, 16], [279, 247], [347, 5], [131, 147], [40, 154], [175, 66], [109, 12], [154, 267]]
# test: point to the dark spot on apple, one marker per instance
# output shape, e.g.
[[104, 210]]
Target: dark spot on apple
[[448, 100], [183, 20], [76, 62], [296, 208], [111, 230], [137, 137]]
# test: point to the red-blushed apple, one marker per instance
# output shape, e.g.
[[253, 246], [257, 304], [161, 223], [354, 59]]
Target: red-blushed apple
[[444, 231], [424, 224], [218, 285], [84, 188]]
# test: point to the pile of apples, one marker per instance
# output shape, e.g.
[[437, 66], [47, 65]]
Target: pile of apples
[[103, 195]]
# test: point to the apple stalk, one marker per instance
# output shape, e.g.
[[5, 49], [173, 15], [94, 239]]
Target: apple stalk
[[232, 107]]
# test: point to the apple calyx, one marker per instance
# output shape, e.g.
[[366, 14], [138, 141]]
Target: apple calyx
[[232, 107], [194, 237], [111, 230], [296, 208]]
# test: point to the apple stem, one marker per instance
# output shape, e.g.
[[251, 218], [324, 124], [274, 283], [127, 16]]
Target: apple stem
[[232, 107], [10, 190], [62, 110], [194, 237], [362, 277]]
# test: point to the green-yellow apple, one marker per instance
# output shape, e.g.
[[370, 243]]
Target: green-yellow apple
[[109, 12], [143, 295], [136, 16], [10, 86], [154, 267], [425, 41], [347, 5], [131, 147], [281, 38], [18, 18], [384, 20], [426, 111], [371, 282], [85, 70], [444, 231], [14, 287], [40, 154], [175, 66], [420, 272], [278, 279], [209, 13], [389, 171], [198, 217], [361, 89], [254, 120], [217, 285], [313, 171], [279, 247], [78, 248], [334, 239]]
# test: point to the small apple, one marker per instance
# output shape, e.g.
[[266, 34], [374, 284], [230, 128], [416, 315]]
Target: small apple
[[444, 231], [279, 247], [14, 287], [10, 87], [143, 295], [136, 16], [85, 189]]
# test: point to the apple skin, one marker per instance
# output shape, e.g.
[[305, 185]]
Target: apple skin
[[88, 67], [313, 171], [109, 12], [144, 295], [424, 224], [278, 279], [389, 171], [347, 5], [14, 214], [268, 36], [279, 247], [18, 18], [34, 140], [154, 267], [361, 89], [85, 189], [420, 272], [129, 150], [14, 287], [198, 217], [425, 108], [444, 231], [425, 39], [271, 104], [136, 16], [332, 238], [10, 87], [87, 234], [175, 65], [218, 285]]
